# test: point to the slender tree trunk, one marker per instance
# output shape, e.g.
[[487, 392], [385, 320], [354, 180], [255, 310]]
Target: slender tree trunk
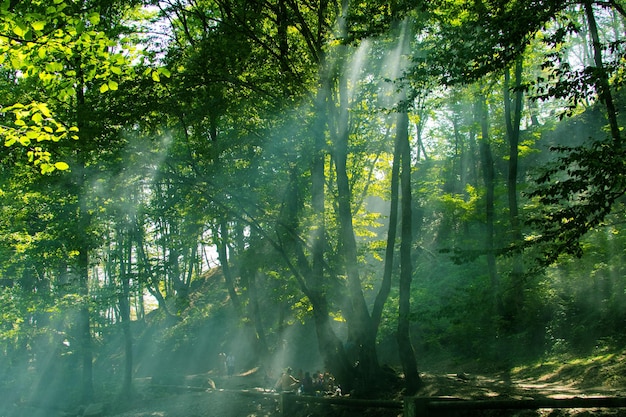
[[405, 347], [221, 242], [151, 278], [489, 181], [124, 302], [84, 325], [513, 118], [385, 287], [255, 314], [84, 220], [602, 81]]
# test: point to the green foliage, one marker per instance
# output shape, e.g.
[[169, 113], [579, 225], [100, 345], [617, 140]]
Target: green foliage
[[499, 31], [576, 194], [60, 48]]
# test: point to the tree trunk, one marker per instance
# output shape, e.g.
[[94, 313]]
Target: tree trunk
[[515, 301], [124, 302], [385, 286], [330, 347], [489, 181], [256, 317], [84, 325], [83, 244], [602, 81], [358, 318], [405, 347], [221, 241], [151, 279]]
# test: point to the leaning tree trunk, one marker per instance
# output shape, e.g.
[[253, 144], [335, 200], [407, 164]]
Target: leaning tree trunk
[[602, 80]]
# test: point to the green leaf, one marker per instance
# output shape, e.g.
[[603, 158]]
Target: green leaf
[[155, 76], [164, 71], [94, 18], [37, 118], [112, 85], [20, 30], [61, 166], [43, 108], [38, 25], [104, 88], [47, 168]]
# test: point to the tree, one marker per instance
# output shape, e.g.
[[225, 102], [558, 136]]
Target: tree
[[589, 177], [70, 54], [513, 117]]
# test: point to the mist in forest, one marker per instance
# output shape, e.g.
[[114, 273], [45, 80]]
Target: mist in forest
[[362, 201]]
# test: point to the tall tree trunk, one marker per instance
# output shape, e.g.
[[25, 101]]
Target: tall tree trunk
[[330, 346], [256, 317], [405, 347], [385, 286], [513, 117], [359, 319], [84, 220], [489, 181], [84, 325], [151, 278], [124, 302], [221, 241], [312, 275], [602, 81], [357, 316]]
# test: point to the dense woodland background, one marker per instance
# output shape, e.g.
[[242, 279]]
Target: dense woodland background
[[332, 184]]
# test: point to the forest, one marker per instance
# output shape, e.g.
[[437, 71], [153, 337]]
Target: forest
[[361, 187]]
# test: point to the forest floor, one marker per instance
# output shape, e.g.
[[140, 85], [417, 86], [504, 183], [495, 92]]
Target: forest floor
[[207, 395], [600, 375]]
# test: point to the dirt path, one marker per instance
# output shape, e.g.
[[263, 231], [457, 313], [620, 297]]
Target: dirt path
[[226, 403], [222, 397]]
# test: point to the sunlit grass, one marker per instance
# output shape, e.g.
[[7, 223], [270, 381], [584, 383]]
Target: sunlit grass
[[570, 367]]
